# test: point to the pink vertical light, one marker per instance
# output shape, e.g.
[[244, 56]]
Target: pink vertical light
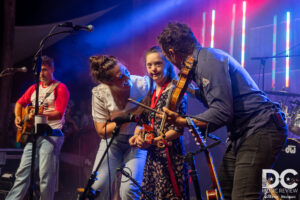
[[232, 30], [243, 35], [212, 33], [203, 29], [274, 51], [287, 48]]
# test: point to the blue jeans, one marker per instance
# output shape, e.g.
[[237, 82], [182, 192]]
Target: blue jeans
[[120, 152], [47, 158]]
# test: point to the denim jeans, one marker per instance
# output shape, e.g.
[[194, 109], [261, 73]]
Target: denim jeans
[[240, 173], [120, 152], [46, 160]]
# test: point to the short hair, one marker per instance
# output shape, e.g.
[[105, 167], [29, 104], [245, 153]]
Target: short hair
[[100, 65], [46, 60], [179, 37]]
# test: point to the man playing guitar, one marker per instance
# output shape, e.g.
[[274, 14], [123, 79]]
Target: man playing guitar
[[53, 98]]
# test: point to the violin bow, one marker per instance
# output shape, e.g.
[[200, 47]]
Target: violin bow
[[142, 105]]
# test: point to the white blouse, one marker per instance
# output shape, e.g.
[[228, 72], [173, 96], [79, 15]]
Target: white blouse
[[104, 106]]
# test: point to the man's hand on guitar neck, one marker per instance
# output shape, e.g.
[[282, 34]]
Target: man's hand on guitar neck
[[177, 120], [173, 117]]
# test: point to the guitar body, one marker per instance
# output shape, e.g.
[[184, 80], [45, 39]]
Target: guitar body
[[148, 133], [27, 125], [212, 194]]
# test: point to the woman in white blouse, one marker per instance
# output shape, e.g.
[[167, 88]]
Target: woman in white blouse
[[109, 100]]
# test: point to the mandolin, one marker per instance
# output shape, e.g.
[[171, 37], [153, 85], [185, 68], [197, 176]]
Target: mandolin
[[215, 193], [148, 133]]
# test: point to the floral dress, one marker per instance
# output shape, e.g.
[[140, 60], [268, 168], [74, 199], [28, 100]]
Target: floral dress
[[156, 179]]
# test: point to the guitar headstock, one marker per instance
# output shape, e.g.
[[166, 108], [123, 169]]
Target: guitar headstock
[[195, 131]]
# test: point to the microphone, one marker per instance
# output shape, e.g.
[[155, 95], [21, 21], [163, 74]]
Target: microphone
[[124, 119], [21, 69], [88, 28]]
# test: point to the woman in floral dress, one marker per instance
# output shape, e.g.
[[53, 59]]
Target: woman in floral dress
[[157, 174]]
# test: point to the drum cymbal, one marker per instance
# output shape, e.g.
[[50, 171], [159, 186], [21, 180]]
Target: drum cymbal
[[282, 93]]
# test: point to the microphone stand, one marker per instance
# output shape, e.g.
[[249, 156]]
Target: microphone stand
[[40, 131], [189, 158], [263, 64], [88, 191]]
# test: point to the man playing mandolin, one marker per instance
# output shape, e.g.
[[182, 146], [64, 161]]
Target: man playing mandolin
[[53, 99], [256, 129]]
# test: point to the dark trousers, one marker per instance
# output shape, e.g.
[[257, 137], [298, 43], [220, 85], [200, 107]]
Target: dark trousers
[[240, 173]]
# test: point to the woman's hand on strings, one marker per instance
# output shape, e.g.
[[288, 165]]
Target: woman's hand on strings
[[141, 143], [132, 141], [138, 140]]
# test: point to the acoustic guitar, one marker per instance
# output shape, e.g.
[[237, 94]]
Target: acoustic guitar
[[215, 193], [27, 125]]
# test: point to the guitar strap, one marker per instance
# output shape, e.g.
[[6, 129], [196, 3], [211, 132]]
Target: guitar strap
[[170, 167], [50, 91]]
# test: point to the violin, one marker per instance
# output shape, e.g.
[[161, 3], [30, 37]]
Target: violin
[[182, 83], [177, 93]]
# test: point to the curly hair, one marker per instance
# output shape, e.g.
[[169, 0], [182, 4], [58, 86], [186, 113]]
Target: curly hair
[[100, 65], [179, 37]]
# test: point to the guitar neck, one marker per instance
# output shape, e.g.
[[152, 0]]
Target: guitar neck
[[213, 174]]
